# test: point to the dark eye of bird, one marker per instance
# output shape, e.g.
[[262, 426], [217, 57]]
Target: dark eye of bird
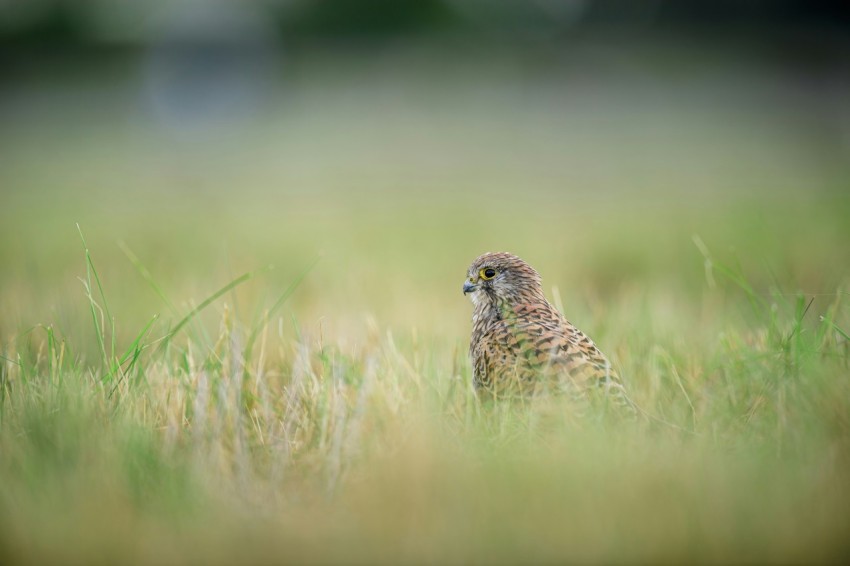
[[489, 273]]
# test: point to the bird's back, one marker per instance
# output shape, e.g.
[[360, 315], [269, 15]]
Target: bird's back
[[530, 348]]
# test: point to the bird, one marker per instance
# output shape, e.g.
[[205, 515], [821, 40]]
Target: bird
[[522, 347]]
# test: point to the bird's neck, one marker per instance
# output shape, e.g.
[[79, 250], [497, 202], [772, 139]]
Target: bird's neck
[[486, 311], [495, 308]]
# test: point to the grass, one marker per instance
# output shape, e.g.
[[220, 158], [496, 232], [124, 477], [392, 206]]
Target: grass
[[221, 430], [257, 353]]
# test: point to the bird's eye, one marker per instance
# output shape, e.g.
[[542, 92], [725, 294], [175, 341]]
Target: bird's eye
[[487, 273]]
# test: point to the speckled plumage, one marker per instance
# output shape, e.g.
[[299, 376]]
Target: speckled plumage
[[522, 346]]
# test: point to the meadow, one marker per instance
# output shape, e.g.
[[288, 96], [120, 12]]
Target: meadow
[[255, 351]]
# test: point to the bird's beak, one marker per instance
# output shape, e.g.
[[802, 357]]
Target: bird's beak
[[468, 287]]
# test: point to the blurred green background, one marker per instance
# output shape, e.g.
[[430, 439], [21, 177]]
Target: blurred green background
[[400, 140]]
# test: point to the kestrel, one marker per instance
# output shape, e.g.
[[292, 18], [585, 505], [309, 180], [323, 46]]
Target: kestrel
[[522, 346]]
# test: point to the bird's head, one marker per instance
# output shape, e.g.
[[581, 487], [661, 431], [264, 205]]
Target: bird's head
[[501, 277]]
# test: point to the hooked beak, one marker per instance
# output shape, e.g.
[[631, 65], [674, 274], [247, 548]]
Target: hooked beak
[[468, 287]]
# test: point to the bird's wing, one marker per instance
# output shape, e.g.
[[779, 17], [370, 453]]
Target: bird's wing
[[566, 357]]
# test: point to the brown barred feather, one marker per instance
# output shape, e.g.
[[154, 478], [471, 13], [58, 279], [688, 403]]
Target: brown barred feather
[[522, 346]]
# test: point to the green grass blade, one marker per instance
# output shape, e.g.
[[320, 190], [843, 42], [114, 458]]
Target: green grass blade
[[249, 347], [146, 275], [133, 347], [108, 312], [207, 302], [837, 329], [735, 277], [93, 307], [10, 360]]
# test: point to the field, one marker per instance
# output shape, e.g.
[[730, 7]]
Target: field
[[247, 343]]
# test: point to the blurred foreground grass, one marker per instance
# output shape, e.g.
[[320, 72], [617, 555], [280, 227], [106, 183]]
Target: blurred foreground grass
[[348, 432], [338, 424]]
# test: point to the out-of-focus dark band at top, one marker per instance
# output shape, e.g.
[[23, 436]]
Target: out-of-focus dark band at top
[[103, 22]]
